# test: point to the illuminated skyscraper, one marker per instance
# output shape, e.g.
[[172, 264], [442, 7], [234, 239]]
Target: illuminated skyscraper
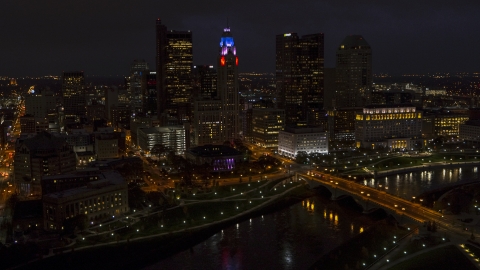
[[227, 86], [174, 61], [73, 93], [353, 72], [216, 115], [299, 75]]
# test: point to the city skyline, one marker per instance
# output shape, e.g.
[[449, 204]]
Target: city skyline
[[103, 38]]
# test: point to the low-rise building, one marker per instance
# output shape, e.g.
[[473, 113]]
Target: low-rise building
[[392, 127], [221, 158], [105, 198], [106, 146], [172, 137], [61, 182], [306, 139], [44, 154], [84, 158]]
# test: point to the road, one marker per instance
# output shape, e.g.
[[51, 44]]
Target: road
[[371, 196]]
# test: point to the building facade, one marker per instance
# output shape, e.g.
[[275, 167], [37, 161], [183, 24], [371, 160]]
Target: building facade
[[44, 154], [267, 123], [227, 87], [395, 128], [205, 80], [73, 94], [353, 69], [299, 74], [150, 93], [172, 137], [306, 139], [40, 104], [106, 146], [104, 198], [207, 122], [136, 84], [220, 158], [174, 62]]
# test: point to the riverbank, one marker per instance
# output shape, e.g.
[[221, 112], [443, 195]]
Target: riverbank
[[426, 167], [140, 253]]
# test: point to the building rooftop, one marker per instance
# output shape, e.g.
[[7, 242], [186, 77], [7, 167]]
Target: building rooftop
[[354, 41], [150, 130], [375, 106], [85, 154], [106, 179], [116, 161], [210, 150], [304, 129], [44, 141]]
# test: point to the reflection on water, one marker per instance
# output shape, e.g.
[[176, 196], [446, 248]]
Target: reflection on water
[[292, 238], [411, 184]]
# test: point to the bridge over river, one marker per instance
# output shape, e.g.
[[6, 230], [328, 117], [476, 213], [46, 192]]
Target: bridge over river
[[371, 196]]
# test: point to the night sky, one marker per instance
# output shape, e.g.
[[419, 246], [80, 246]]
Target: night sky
[[102, 37]]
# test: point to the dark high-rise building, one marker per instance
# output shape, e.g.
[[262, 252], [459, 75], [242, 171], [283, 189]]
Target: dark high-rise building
[[150, 93], [299, 75], [174, 61], [73, 93], [205, 79], [138, 71], [353, 72]]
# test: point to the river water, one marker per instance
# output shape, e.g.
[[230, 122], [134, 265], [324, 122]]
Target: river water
[[297, 236], [291, 238], [411, 184]]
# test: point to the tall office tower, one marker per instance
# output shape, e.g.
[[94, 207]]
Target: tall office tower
[[227, 87], [329, 87], [150, 93], [174, 62], [111, 100], [205, 81], [353, 72], [299, 75], [136, 87], [73, 93]]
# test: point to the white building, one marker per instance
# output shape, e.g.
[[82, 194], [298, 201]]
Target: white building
[[172, 137], [470, 131], [306, 139]]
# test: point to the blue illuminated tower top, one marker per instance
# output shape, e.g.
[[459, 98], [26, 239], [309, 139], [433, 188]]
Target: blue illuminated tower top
[[227, 46]]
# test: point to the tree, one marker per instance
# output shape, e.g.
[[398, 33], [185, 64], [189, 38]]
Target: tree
[[301, 157], [160, 150]]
